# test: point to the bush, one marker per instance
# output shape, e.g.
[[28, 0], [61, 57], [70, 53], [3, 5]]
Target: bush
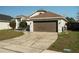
[[73, 26], [23, 25], [12, 24]]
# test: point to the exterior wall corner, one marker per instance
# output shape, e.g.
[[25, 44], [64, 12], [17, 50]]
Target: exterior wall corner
[[61, 24]]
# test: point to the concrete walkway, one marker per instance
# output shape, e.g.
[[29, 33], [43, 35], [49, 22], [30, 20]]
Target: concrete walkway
[[50, 51], [30, 42]]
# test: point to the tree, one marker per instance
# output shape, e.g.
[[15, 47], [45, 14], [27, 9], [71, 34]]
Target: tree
[[12, 24], [23, 25], [78, 15], [70, 19]]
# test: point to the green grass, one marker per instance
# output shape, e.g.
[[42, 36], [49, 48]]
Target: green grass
[[66, 40], [7, 34]]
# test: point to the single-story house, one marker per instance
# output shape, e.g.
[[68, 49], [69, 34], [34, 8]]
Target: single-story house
[[4, 21], [44, 21]]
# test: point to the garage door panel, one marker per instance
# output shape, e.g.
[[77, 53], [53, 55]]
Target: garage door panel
[[45, 26]]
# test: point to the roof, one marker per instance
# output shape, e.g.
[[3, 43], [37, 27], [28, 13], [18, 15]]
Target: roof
[[44, 15], [22, 17]]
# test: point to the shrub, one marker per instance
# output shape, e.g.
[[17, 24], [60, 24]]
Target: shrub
[[12, 24], [23, 25]]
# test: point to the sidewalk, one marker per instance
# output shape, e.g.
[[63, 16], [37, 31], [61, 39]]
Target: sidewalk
[[50, 51]]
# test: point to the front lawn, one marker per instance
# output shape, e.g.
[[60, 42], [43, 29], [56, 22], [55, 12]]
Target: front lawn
[[66, 42], [7, 34]]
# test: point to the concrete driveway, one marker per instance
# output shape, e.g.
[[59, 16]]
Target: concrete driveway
[[30, 42]]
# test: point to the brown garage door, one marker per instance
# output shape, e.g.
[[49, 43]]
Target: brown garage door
[[45, 26]]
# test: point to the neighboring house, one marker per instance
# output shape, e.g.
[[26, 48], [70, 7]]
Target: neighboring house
[[44, 21], [18, 19], [4, 21], [4, 25]]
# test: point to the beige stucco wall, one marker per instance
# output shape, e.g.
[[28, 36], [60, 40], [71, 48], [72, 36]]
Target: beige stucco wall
[[4, 25], [61, 23], [17, 23], [31, 25], [36, 14]]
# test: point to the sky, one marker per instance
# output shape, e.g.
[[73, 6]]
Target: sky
[[70, 11]]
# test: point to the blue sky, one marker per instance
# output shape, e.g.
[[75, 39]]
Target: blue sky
[[70, 11]]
